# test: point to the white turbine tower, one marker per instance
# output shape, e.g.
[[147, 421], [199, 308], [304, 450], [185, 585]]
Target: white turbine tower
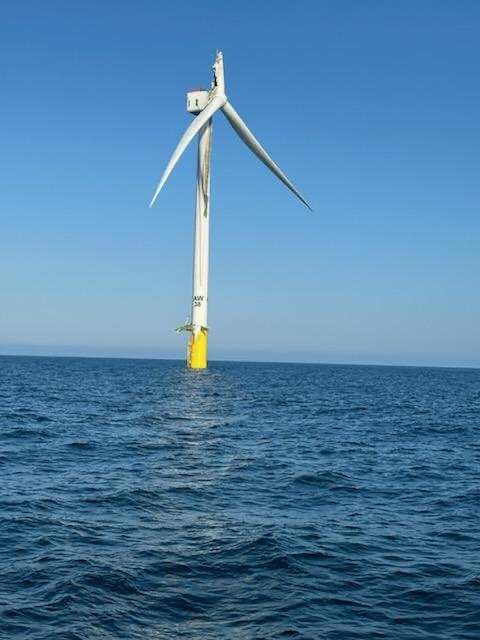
[[204, 104]]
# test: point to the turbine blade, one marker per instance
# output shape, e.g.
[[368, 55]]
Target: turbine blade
[[249, 139], [214, 105]]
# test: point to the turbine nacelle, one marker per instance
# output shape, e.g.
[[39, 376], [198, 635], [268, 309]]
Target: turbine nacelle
[[197, 100]]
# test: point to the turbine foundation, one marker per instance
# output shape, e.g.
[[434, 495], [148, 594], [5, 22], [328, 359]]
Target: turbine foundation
[[197, 353]]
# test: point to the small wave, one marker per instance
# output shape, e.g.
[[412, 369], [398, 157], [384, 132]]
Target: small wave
[[26, 433], [176, 418], [113, 582], [80, 444], [189, 603], [331, 480], [137, 496]]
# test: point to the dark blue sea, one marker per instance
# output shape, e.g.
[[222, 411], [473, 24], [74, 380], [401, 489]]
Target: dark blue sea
[[139, 500]]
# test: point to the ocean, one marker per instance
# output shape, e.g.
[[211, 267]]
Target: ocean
[[249, 501]]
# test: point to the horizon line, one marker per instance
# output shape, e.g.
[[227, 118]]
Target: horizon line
[[214, 360]]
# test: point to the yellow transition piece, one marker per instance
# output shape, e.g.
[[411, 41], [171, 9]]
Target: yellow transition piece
[[197, 350]]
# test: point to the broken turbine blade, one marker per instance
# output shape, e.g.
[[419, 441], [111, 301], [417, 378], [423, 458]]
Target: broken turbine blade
[[214, 105]]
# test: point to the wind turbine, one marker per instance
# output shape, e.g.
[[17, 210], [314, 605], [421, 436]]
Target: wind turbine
[[204, 104]]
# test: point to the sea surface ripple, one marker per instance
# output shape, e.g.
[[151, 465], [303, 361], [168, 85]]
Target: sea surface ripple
[[249, 501]]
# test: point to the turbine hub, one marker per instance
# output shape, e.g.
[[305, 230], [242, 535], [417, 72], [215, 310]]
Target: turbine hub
[[197, 100]]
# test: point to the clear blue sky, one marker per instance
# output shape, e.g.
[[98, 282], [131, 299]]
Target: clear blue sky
[[371, 108]]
